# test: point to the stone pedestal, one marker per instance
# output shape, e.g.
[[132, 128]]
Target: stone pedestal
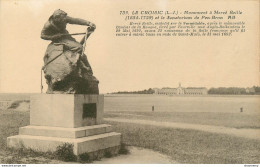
[[56, 119]]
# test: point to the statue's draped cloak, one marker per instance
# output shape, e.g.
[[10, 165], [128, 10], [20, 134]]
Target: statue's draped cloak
[[64, 75]]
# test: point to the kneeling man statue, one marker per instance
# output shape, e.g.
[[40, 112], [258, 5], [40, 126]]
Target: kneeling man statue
[[66, 67]]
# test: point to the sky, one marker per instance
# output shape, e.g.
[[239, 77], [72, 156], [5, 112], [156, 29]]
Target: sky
[[129, 63]]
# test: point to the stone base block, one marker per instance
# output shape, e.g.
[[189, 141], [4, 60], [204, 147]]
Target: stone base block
[[89, 144], [56, 119], [73, 133], [66, 110], [97, 155]]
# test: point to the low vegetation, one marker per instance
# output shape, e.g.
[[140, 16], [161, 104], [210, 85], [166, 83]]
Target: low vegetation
[[84, 158], [16, 104], [255, 90], [65, 153], [123, 149], [145, 91]]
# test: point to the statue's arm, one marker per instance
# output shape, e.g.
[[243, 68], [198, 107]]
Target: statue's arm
[[78, 21], [46, 35]]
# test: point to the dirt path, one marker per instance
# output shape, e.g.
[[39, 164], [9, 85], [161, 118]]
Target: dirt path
[[138, 156], [246, 133]]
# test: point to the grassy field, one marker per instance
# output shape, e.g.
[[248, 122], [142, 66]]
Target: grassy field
[[188, 146], [15, 96], [233, 120], [183, 146], [205, 110], [191, 104], [10, 121]]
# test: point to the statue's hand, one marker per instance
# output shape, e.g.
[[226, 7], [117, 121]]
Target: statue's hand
[[92, 25], [87, 69]]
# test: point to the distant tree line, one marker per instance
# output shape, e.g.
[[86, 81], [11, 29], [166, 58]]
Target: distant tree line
[[146, 91], [235, 90], [255, 90]]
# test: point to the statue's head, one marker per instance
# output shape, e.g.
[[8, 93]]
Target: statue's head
[[59, 16]]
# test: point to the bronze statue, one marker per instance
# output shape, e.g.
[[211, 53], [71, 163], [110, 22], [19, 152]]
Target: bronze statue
[[66, 67]]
